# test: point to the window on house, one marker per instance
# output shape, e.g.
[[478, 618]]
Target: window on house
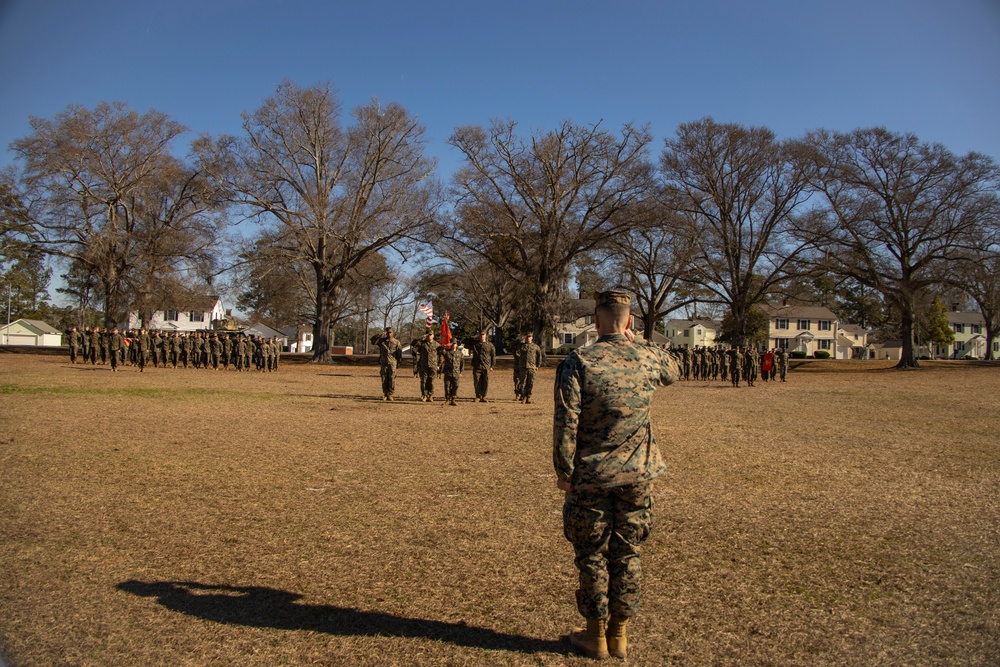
[[569, 339], [804, 325], [687, 333], [824, 325], [589, 319], [996, 346], [170, 316], [697, 332], [824, 343], [975, 328], [781, 342], [781, 324], [959, 346], [196, 316], [959, 328]]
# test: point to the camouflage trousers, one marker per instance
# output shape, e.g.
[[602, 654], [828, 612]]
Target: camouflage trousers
[[607, 528], [450, 386], [481, 381], [426, 383], [528, 382], [388, 373]]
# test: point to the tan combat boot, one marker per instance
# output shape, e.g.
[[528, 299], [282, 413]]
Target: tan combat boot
[[591, 642], [617, 642]]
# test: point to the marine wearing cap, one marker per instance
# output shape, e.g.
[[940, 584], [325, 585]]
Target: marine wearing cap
[[612, 297]]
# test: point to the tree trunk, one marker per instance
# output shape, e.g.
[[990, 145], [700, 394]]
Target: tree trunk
[[907, 358], [321, 334]]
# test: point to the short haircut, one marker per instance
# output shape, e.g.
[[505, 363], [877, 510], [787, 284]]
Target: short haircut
[[615, 312]]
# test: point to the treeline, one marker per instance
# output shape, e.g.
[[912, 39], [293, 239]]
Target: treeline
[[311, 216]]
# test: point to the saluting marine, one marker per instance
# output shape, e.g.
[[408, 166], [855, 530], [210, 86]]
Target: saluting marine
[[605, 459]]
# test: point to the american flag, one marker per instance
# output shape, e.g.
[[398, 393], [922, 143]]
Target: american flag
[[428, 310]]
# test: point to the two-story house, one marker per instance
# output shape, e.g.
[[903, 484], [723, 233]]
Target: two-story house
[[810, 329], [693, 333], [970, 337], [195, 314]]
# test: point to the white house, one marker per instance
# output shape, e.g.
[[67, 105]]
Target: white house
[[574, 327], [195, 314], [30, 332], [970, 337], [810, 329], [300, 338], [852, 342], [693, 333]]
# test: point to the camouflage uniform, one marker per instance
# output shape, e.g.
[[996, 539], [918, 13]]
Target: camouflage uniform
[[604, 447], [781, 358], [427, 362], [451, 363], [531, 358], [73, 338], [735, 365], [390, 355], [753, 366], [95, 345], [142, 349], [214, 351], [484, 356], [114, 347]]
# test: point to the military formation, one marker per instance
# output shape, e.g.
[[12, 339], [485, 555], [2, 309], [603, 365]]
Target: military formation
[[736, 365], [144, 349]]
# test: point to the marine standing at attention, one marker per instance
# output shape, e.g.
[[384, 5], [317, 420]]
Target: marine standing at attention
[[605, 459], [451, 363], [426, 349], [484, 356], [531, 359], [390, 355]]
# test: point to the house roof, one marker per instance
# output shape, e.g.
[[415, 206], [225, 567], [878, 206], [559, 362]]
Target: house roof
[[966, 318], [853, 329], [690, 324], [261, 329], [800, 312], [36, 327]]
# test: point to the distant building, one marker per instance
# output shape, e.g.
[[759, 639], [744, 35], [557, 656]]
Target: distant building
[[810, 329], [574, 326], [970, 337], [198, 313], [34, 333], [693, 333], [264, 331], [300, 338]]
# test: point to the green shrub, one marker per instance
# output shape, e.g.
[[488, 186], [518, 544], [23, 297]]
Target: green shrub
[[821, 354], [797, 354]]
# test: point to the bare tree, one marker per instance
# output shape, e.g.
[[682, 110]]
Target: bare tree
[[531, 205], [653, 259], [330, 196], [739, 190], [104, 190], [899, 211]]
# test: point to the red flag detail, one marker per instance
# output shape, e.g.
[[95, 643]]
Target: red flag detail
[[445, 331]]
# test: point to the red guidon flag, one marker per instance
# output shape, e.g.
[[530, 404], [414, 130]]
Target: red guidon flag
[[445, 331]]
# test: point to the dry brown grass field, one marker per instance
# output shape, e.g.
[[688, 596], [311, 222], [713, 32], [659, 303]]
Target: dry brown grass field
[[848, 517]]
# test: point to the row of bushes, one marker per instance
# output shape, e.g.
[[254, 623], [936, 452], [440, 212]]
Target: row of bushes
[[818, 354]]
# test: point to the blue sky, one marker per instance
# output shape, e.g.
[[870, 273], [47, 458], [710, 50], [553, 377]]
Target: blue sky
[[922, 66]]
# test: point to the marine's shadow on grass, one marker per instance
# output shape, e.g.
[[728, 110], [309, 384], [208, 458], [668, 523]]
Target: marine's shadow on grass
[[261, 607]]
